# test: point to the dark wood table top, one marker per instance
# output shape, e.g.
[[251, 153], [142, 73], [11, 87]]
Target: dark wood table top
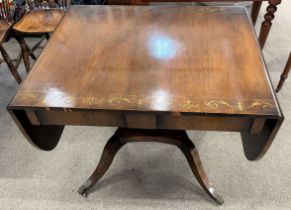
[[164, 59]]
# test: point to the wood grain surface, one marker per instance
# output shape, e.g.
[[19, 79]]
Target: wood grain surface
[[37, 21], [176, 59]]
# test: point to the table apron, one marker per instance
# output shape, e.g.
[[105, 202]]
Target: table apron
[[145, 120]]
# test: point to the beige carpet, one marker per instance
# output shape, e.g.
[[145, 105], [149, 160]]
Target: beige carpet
[[142, 176]]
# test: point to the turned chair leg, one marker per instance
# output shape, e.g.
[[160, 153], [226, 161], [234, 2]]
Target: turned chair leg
[[11, 66], [284, 75], [177, 138], [255, 10], [267, 23]]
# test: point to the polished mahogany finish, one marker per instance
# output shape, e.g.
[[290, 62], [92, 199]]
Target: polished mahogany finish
[[284, 74], [166, 59], [155, 68], [265, 27]]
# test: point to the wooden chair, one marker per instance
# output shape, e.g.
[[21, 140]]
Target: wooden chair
[[284, 75], [41, 20], [6, 24]]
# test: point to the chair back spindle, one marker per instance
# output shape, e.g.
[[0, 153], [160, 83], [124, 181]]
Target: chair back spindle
[[48, 4], [5, 10]]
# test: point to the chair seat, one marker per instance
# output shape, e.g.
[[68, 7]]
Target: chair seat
[[4, 27], [39, 21]]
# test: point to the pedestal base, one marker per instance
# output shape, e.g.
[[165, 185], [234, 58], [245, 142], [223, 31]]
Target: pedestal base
[[177, 138]]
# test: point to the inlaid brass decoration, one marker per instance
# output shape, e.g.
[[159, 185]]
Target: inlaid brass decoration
[[240, 106], [133, 102]]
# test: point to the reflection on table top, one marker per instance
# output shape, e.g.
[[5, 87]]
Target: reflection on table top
[[173, 59]]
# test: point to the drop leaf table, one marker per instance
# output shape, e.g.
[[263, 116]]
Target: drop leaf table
[[153, 72]]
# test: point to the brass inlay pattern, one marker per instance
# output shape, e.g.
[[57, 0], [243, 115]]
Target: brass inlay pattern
[[139, 102], [189, 104], [240, 106]]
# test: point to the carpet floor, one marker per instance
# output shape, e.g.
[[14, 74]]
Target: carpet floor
[[142, 176]]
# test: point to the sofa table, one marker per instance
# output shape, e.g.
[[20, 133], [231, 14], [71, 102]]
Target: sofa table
[[153, 72]]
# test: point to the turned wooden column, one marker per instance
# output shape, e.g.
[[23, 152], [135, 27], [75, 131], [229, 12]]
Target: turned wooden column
[[267, 23]]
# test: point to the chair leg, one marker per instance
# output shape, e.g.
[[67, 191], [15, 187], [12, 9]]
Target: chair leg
[[18, 60], [9, 62], [255, 10], [267, 23], [25, 52], [35, 47], [284, 75], [32, 55]]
